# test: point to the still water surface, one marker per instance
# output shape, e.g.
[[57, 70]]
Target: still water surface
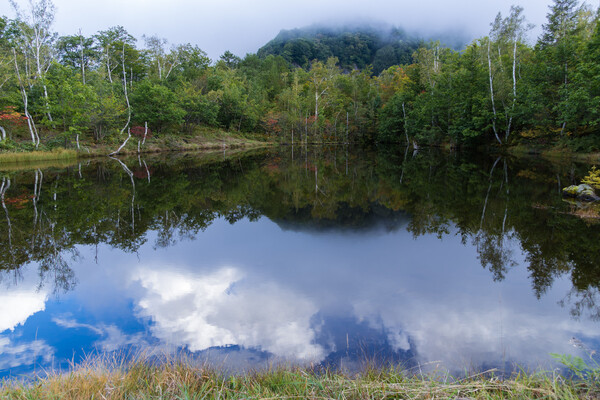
[[327, 256]]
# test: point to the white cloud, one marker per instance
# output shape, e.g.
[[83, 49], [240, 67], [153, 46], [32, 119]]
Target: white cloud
[[18, 305], [200, 311], [72, 324], [21, 299], [113, 338], [14, 355]]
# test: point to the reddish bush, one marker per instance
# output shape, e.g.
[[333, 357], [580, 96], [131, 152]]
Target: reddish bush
[[138, 131], [10, 115]]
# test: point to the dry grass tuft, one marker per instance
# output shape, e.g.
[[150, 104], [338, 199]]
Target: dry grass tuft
[[182, 378]]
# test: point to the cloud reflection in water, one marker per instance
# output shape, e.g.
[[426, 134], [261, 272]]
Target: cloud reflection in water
[[199, 311]]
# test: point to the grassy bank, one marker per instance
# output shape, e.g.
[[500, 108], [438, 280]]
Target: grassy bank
[[183, 379], [35, 156], [555, 153], [23, 153]]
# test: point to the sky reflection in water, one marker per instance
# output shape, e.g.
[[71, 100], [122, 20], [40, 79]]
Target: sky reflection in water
[[251, 293]]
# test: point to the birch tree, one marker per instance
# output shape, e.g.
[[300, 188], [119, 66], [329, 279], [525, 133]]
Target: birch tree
[[156, 49], [37, 40], [35, 138], [114, 43], [507, 37], [321, 80], [77, 52], [430, 65], [125, 92], [6, 67]]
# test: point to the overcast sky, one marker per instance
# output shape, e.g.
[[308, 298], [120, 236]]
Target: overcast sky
[[242, 26]]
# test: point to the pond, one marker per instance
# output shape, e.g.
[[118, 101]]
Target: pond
[[322, 256]]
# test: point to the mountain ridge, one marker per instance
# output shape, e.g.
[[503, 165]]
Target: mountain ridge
[[356, 45]]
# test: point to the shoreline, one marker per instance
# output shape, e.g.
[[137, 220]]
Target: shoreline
[[155, 146], [61, 157], [113, 378]]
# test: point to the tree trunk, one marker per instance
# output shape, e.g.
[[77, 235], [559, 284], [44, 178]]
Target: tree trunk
[[405, 129], [108, 66], [128, 108], [32, 129], [126, 94], [145, 132], [514, 78], [40, 74], [147, 171], [488, 193], [562, 130], [82, 58], [122, 145], [3, 188], [492, 93], [128, 172]]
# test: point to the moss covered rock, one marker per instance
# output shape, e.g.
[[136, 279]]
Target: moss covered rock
[[582, 192]]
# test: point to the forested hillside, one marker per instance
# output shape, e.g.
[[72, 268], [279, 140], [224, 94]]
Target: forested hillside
[[355, 47], [499, 90]]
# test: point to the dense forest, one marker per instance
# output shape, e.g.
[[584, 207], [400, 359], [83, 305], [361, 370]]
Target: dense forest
[[499, 90], [356, 47]]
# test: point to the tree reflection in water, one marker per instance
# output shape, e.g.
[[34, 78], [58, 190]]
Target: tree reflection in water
[[489, 202]]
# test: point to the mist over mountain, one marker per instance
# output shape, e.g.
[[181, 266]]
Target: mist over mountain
[[355, 45]]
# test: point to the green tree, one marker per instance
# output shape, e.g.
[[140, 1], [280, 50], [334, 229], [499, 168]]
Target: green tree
[[157, 105], [77, 52], [558, 52], [70, 101]]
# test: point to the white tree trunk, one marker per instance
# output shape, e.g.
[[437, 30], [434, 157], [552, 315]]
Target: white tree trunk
[[514, 78], [3, 133], [145, 132], [492, 93], [316, 106], [126, 94], [82, 57], [147, 171], [488, 194], [562, 130], [122, 145], [40, 73], [405, 129], [3, 188], [32, 129], [108, 66], [128, 172]]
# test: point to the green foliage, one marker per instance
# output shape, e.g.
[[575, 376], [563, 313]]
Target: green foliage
[[355, 47], [497, 90], [199, 109], [582, 369], [592, 178], [8, 145], [156, 104], [392, 124]]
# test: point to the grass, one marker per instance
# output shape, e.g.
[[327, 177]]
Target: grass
[[206, 139], [20, 155], [33, 156], [182, 378]]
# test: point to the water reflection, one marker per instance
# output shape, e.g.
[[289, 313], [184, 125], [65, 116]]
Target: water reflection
[[327, 257]]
